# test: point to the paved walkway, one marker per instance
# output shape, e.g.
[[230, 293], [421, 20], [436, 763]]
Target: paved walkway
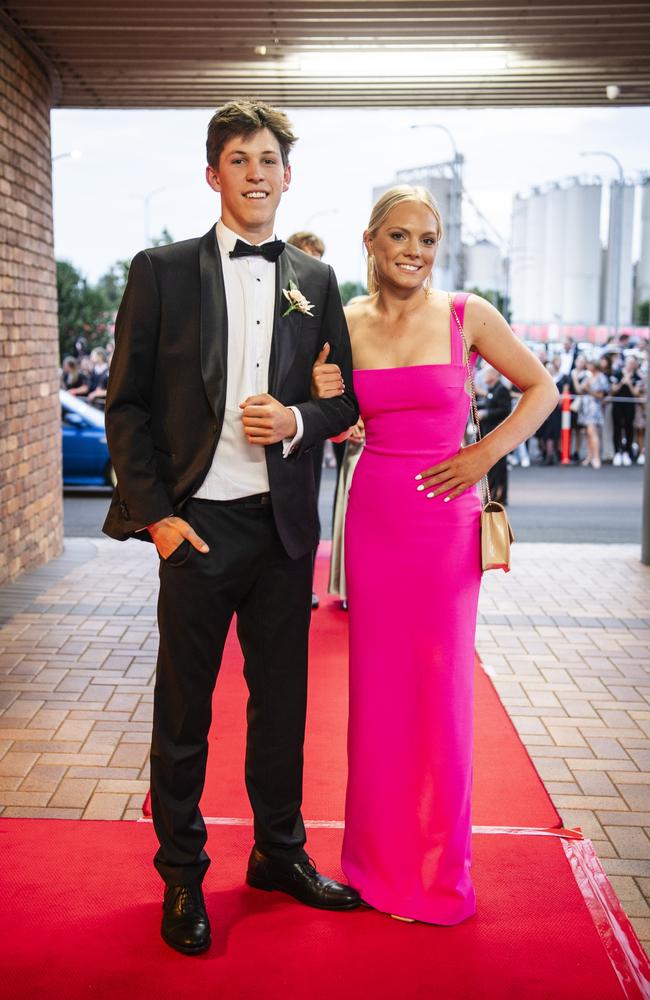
[[566, 636]]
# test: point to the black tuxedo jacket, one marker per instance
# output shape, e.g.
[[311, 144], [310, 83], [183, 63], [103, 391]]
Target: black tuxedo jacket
[[167, 386]]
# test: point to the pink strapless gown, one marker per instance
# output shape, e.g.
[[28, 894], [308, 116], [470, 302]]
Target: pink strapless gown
[[413, 572]]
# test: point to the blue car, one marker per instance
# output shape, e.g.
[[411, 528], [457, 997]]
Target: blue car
[[86, 461]]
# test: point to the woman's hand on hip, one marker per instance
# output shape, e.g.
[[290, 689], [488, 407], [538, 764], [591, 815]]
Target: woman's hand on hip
[[454, 475], [326, 380]]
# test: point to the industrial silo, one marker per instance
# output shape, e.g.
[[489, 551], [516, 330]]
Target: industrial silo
[[534, 254], [643, 269], [619, 255], [582, 254], [483, 266], [517, 269], [553, 273]]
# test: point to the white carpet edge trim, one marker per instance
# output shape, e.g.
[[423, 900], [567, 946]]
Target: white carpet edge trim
[[614, 927], [338, 824]]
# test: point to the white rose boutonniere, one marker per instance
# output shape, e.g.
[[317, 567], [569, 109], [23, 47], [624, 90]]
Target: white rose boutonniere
[[297, 301]]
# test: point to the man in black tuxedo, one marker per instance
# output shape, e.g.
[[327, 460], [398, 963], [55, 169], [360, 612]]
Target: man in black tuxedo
[[210, 426]]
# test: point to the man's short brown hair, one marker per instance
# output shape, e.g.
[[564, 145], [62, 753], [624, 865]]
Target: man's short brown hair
[[245, 118]]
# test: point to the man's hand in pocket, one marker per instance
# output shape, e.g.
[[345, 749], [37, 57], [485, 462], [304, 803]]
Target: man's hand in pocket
[[169, 533]]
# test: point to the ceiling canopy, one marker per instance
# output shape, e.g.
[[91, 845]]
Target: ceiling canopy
[[341, 53]]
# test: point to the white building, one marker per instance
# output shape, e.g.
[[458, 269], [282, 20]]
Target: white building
[[581, 254], [483, 266], [555, 255], [619, 246], [643, 269]]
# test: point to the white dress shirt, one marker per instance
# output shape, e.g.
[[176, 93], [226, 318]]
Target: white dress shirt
[[239, 468]]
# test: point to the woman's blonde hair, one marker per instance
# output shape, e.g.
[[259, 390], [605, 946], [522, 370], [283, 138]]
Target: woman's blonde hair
[[380, 212]]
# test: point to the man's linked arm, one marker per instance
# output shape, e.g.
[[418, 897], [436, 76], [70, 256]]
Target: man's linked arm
[[323, 418], [128, 403]]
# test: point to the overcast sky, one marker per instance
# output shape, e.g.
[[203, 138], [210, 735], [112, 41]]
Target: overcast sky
[[341, 155]]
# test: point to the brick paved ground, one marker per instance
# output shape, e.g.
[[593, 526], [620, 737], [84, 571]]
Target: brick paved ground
[[566, 635]]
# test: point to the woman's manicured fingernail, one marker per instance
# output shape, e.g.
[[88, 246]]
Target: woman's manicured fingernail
[[420, 487], [418, 476], [429, 495], [447, 499]]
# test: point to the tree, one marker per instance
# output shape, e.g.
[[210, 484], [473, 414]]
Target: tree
[[113, 283], [349, 289], [643, 313], [497, 299], [87, 310], [164, 239], [83, 309]]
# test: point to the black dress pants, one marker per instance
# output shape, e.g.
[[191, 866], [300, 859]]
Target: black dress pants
[[623, 420], [248, 573]]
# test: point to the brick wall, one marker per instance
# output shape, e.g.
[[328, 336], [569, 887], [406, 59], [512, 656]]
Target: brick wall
[[31, 507]]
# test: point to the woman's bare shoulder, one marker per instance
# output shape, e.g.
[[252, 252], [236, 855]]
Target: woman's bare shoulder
[[358, 310]]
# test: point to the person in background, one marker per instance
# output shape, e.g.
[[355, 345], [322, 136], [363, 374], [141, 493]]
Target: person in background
[[568, 356], [99, 379], [353, 449], [81, 349], [606, 365], [541, 354], [313, 245], [309, 243], [640, 416], [549, 433], [494, 407], [72, 378], [594, 388], [520, 454], [578, 375], [625, 389]]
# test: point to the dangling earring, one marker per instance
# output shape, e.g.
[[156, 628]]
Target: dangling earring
[[373, 284]]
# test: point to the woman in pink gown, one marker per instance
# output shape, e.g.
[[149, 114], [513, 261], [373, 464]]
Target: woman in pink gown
[[413, 566]]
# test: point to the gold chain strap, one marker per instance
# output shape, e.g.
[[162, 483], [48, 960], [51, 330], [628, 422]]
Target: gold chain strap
[[474, 406]]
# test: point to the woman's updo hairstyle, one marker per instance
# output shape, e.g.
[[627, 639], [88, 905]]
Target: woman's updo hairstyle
[[384, 206]]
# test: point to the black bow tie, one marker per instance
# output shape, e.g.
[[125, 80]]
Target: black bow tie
[[269, 251]]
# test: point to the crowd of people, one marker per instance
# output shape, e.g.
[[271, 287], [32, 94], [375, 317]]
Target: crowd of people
[[607, 387], [85, 372]]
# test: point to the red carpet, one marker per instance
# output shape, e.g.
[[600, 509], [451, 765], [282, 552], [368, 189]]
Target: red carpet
[[81, 909], [501, 761], [81, 901]]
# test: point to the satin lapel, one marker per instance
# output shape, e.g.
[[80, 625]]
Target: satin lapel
[[214, 324], [285, 328]]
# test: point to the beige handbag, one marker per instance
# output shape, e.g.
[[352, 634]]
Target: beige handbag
[[496, 532]]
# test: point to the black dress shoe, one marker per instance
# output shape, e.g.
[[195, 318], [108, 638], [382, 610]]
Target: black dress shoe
[[185, 925], [314, 600], [300, 880]]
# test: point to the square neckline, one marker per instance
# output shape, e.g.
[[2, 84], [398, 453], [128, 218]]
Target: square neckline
[[401, 368], [455, 338]]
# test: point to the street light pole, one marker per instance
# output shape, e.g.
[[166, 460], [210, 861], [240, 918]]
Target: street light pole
[[321, 211], [74, 154], [145, 199]]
